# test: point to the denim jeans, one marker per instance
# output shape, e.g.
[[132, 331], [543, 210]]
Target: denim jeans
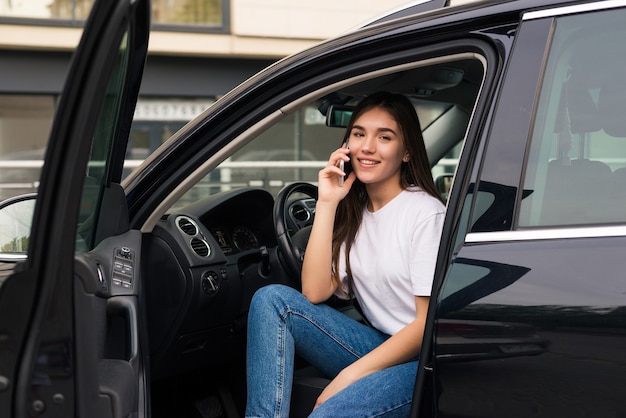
[[281, 322]]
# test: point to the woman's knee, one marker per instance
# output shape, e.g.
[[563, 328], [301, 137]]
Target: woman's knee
[[272, 292], [273, 296]]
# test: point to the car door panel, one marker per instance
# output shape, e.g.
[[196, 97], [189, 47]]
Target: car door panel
[[570, 321], [110, 321], [55, 314]]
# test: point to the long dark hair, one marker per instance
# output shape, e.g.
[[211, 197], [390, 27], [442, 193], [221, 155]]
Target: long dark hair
[[414, 172]]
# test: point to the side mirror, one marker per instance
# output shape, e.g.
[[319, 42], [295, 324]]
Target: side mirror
[[16, 217], [443, 184]]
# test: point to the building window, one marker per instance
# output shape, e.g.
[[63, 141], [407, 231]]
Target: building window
[[72, 10], [188, 12], [202, 14]]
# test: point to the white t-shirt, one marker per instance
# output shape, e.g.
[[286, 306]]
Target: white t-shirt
[[393, 258]]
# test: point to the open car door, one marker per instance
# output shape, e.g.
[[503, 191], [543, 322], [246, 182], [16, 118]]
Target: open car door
[[70, 340]]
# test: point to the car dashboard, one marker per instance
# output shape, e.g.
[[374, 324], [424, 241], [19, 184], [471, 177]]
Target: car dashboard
[[202, 265]]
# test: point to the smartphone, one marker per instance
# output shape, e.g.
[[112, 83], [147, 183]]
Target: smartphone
[[346, 167]]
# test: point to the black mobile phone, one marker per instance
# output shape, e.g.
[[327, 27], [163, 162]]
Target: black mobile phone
[[346, 167]]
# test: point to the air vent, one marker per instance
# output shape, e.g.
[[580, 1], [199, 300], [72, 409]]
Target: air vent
[[187, 226], [200, 247], [300, 213]]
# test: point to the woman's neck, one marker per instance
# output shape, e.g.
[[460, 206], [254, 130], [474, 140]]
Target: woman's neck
[[381, 194]]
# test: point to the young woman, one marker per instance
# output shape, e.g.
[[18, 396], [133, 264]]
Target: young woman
[[375, 237]]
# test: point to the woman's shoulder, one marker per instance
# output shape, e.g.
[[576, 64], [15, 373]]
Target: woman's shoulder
[[414, 196]]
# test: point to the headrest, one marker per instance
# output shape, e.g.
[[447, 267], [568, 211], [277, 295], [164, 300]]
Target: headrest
[[582, 110], [612, 107]]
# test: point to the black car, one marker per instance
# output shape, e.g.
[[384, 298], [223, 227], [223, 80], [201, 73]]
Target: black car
[[128, 298]]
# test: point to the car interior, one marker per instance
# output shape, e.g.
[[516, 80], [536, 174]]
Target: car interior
[[234, 227]]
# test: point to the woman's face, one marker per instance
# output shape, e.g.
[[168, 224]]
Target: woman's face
[[377, 148]]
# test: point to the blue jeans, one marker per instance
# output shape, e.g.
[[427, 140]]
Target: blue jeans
[[282, 321]]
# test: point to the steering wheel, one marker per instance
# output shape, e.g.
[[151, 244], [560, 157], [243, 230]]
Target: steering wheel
[[292, 224]]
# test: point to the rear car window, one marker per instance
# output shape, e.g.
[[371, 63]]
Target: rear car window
[[576, 169]]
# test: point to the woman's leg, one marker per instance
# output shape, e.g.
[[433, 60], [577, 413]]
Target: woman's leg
[[281, 320], [387, 393]]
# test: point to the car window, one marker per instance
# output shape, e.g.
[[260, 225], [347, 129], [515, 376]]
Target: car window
[[576, 169]]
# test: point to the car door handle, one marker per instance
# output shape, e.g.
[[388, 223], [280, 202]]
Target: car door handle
[[125, 308]]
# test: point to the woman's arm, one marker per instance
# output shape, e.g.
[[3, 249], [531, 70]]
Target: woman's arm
[[317, 282], [398, 349]]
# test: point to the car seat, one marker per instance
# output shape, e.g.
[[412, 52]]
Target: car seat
[[611, 105], [574, 187]]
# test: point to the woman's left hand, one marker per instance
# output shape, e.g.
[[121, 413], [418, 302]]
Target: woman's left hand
[[340, 382], [399, 348]]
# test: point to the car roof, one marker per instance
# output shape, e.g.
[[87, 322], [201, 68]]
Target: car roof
[[419, 7], [412, 8]]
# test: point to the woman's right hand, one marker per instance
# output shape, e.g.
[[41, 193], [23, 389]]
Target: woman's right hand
[[318, 283], [330, 187]]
